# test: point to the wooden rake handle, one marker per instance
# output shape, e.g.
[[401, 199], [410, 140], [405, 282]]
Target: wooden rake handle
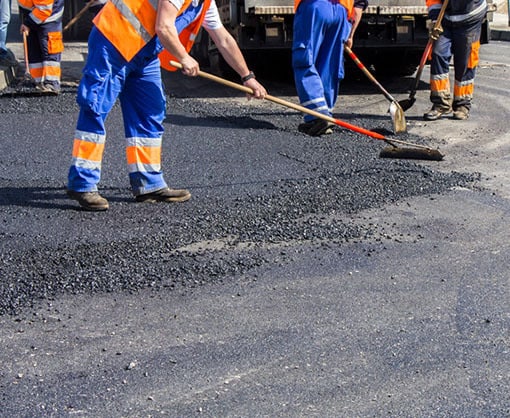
[[286, 103], [78, 16]]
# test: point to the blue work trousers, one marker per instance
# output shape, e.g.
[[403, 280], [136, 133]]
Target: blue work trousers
[[137, 84], [5, 17], [320, 30], [462, 41]]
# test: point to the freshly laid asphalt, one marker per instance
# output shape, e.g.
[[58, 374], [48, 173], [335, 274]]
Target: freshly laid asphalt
[[305, 277]]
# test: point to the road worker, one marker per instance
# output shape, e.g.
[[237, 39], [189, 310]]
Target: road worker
[[321, 28], [42, 25], [460, 37], [124, 45]]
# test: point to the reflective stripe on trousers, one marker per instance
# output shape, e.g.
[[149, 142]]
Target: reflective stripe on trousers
[[43, 65], [463, 42], [137, 84]]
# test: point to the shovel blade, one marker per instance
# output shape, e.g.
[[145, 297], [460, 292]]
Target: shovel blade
[[406, 103], [398, 118]]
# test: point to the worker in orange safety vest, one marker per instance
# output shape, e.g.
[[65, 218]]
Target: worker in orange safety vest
[[42, 26], [125, 46], [460, 37]]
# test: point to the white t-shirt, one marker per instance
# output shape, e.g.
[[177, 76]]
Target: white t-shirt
[[212, 17]]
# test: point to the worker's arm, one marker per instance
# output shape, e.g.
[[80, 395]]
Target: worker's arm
[[357, 13], [229, 50], [169, 38]]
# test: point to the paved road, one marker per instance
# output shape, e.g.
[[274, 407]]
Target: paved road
[[306, 277]]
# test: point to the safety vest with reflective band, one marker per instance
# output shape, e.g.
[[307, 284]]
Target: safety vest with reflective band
[[348, 4], [43, 11], [188, 24], [460, 10], [130, 24]]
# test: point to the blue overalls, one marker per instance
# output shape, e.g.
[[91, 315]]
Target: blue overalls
[[138, 86], [320, 29]]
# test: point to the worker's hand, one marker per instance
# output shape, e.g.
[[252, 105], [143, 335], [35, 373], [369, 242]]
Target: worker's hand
[[348, 43], [435, 33], [24, 29], [259, 92], [190, 66]]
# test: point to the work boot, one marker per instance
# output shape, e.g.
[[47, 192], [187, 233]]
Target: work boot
[[48, 88], [92, 201], [437, 111], [461, 113], [165, 195], [316, 127]]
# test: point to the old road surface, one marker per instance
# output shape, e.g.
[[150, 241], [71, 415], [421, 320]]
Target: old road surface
[[305, 277]]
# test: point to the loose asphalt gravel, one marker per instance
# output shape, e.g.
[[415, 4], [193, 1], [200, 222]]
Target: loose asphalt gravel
[[255, 181]]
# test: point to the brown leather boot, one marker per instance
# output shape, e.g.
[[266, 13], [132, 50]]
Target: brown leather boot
[[437, 111], [92, 201], [165, 195], [461, 113]]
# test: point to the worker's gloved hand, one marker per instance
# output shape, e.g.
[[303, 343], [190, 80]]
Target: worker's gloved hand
[[435, 33]]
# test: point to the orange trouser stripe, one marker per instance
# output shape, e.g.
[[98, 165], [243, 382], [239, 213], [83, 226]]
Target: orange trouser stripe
[[440, 85], [52, 71], [41, 72], [85, 150], [463, 90], [144, 155], [36, 72]]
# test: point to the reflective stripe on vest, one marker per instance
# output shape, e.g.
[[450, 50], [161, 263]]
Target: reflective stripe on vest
[[128, 24], [348, 4]]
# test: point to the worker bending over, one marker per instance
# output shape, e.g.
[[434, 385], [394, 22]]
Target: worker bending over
[[124, 44]]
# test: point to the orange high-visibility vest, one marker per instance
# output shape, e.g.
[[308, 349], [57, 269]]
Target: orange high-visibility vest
[[187, 36], [43, 11], [130, 24], [348, 4]]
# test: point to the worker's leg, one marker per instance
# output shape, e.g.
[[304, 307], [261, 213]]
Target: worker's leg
[[440, 95], [330, 54], [439, 70], [466, 46], [97, 93], [51, 49], [143, 108], [5, 17], [35, 55], [308, 35]]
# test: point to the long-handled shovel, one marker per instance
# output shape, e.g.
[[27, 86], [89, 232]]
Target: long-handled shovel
[[434, 35], [396, 112], [411, 151]]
